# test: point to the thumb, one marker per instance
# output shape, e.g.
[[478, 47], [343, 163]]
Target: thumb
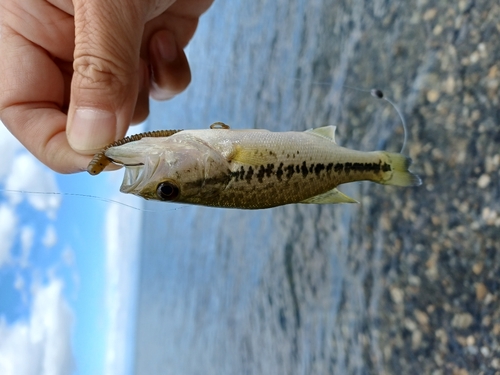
[[105, 80]]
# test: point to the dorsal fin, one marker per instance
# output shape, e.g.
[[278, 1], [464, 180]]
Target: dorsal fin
[[325, 132]]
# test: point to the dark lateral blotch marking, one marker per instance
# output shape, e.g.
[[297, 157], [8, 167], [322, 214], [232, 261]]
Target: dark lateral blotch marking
[[269, 170], [249, 175], [319, 167], [279, 172], [239, 174], [347, 167], [359, 167], [311, 168], [261, 173], [304, 170]]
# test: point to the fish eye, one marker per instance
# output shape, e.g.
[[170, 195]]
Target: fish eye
[[167, 191]]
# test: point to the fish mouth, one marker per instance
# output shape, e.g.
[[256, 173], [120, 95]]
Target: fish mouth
[[137, 176], [137, 172], [134, 175], [138, 168]]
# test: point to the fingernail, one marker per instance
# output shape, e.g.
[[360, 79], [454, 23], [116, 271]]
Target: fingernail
[[91, 129], [167, 48]]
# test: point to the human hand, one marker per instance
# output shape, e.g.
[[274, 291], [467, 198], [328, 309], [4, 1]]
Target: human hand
[[75, 74]]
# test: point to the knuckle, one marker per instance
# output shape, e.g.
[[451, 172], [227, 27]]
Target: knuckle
[[99, 73]]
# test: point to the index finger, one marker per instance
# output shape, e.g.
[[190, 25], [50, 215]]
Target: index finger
[[31, 102]]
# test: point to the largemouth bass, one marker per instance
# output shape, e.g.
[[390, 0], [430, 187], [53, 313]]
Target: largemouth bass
[[252, 168]]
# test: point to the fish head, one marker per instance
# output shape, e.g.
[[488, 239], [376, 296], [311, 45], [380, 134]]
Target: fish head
[[181, 169]]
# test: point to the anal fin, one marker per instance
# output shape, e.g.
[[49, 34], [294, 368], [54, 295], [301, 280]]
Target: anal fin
[[330, 197]]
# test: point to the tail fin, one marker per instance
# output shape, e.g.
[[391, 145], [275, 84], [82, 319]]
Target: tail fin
[[400, 175]]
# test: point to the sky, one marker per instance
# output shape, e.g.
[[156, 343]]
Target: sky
[[68, 268]]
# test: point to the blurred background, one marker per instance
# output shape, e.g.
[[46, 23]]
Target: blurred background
[[405, 282]]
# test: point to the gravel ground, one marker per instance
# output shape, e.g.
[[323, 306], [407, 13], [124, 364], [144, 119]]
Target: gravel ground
[[429, 257], [440, 310]]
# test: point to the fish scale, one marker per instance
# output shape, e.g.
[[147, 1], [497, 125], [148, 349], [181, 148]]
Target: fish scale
[[304, 167], [252, 168]]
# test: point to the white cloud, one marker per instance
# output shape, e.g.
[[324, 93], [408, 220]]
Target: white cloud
[[123, 228], [20, 285], [50, 237], [29, 175], [9, 146], [42, 345], [69, 260], [27, 236], [68, 256], [19, 282], [8, 224]]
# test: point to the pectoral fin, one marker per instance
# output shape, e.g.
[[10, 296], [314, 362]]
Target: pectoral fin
[[330, 197]]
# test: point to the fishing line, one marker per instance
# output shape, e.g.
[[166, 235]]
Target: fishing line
[[379, 94], [80, 195]]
